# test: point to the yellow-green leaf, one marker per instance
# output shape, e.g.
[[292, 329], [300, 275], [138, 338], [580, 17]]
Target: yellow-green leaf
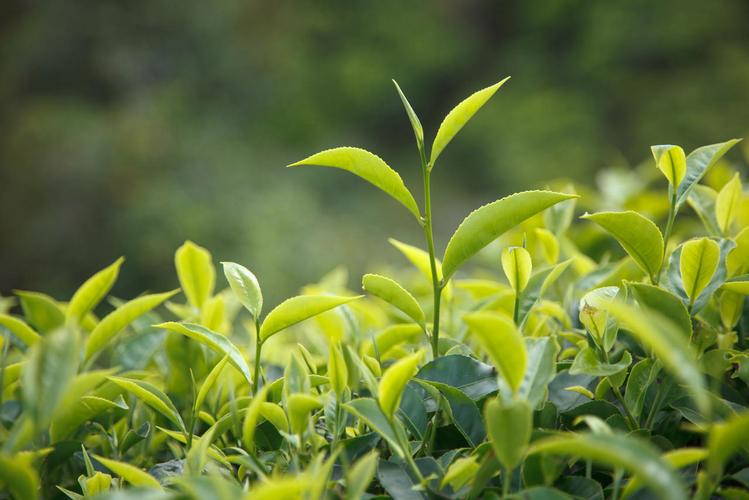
[[212, 340], [245, 286], [737, 261], [275, 415], [502, 341], [460, 472], [459, 116], [251, 417], [360, 475], [517, 266], [297, 309], [393, 293], [725, 439], [394, 380], [639, 237], [19, 478], [209, 381], [415, 123], [509, 428], [487, 223], [41, 311], [118, 319], [672, 161], [282, 488], [152, 396], [698, 263], [727, 203], [420, 260], [196, 273], [699, 162], [549, 244], [130, 473], [617, 450], [337, 369], [92, 292], [665, 339], [678, 458], [369, 167], [20, 329], [299, 407]]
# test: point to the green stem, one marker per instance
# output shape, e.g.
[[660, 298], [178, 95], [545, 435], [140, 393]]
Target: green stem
[[667, 232], [506, 482], [429, 236], [258, 350], [630, 418]]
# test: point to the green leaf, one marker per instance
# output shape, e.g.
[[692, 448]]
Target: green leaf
[[639, 236], [641, 377], [296, 486], [20, 329], [337, 369], [41, 311], [594, 315], [70, 412], [678, 458], [699, 162], [702, 200], [460, 472], [360, 475], [369, 167], [92, 292], [299, 406], [421, 261], [370, 413], [393, 293], [509, 427], [245, 286], [725, 439], [727, 203], [666, 340], [586, 362], [672, 161], [51, 365], [517, 266], [251, 417], [209, 381], [213, 341], [617, 450], [394, 380], [121, 317], [540, 370], [19, 477], [415, 123], [297, 309], [153, 397], [129, 473], [196, 273], [738, 284], [537, 286], [197, 456], [667, 303], [463, 412], [487, 223], [474, 378], [737, 261], [502, 342], [698, 263], [459, 116]]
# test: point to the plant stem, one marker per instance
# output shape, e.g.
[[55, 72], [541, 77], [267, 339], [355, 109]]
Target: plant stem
[[506, 482], [667, 232], [258, 349], [429, 236]]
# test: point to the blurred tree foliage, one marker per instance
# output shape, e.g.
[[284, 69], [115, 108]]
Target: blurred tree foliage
[[127, 127]]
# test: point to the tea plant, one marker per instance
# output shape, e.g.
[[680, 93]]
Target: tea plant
[[540, 373]]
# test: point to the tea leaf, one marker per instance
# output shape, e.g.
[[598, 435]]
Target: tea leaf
[[129, 473], [299, 407], [209, 381], [20, 329], [70, 413], [617, 450], [641, 377], [459, 116], [369, 167], [337, 370], [737, 261], [639, 236], [19, 477], [517, 266], [502, 342], [663, 337], [153, 397], [678, 458], [727, 203], [725, 439], [415, 123], [672, 161], [297, 309], [698, 263], [394, 380], [738, 284], [487, 223], [391, 292], [369, 411], [509, 427], [212, 340], [245, 286], [699, 162], [195, 271], [41, 311], [667, 303], [251, 417], [92, 292], [117, 320]]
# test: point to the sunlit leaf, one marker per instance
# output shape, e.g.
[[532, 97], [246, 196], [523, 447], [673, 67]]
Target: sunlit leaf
[[41, 311], [92, 292], [517, 266], [369, 167], [297, 309], [415, 123], [509, 427], [393, 293], [129, 473], [153, 397], [672, 161], [20, 329], [727, 203], [487, 223], [699, 162], [196, 273], [245, 286], [459, 116], [639, 236], [502, 341], [725, 439], [394, 380], [698, 263]]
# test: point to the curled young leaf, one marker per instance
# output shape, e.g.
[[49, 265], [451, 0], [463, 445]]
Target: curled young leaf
[[196, 273], [245, 286], [517, 266], [92, 292], [672, 161]]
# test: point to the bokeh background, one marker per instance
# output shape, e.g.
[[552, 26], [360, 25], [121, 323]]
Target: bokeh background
[[127, 127]]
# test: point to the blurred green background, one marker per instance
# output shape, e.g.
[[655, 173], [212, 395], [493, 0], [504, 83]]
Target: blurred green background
[[127, 127]]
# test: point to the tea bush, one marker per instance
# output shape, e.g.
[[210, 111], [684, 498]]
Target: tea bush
[[540, 373]]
